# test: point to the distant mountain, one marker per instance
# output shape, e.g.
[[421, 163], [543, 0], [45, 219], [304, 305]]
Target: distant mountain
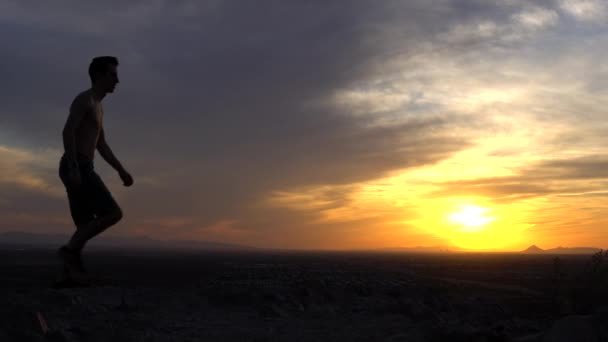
[[562, 250], [533, 249], [33, 239]]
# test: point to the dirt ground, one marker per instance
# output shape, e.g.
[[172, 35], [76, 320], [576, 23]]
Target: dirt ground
[[280, 296]]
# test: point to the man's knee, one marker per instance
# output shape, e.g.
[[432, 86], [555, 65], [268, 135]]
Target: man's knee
[[117, 214], [112, 217]]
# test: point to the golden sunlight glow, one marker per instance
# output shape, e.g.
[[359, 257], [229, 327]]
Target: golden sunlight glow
[[425, 205], [466, 222], [471, 217]]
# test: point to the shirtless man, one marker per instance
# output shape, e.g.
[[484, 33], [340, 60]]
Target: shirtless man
[[92, 207]]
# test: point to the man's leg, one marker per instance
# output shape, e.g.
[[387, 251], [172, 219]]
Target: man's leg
[[81, 211], [102, 212], [89, 230]]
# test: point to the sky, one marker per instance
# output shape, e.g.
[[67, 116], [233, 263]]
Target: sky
[[319, 124]]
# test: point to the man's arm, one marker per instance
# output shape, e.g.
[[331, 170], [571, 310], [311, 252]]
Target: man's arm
[[106, 153]]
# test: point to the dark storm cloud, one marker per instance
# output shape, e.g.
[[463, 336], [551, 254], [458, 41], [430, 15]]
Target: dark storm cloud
[[181, 59]]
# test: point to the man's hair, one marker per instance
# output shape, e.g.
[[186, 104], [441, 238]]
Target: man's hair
[[99, 65]]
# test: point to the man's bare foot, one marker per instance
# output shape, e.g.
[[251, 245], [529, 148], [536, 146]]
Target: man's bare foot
[[73, 262]]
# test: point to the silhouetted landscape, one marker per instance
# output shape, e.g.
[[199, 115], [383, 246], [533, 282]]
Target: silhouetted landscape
[[21, 239], [263, 295], [142, 242], [562, 250]]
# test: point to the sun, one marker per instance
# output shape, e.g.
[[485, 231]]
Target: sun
[[471, 218], [474, 223]]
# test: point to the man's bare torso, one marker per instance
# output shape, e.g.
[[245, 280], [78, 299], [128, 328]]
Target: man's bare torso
[[87, 133]]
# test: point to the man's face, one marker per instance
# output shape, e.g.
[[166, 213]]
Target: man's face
[[109, 79]]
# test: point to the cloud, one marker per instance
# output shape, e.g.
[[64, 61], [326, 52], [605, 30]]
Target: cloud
[[506, 26], [29, 195], [585, 10], [581, 176], [28, 170], [536, 18]]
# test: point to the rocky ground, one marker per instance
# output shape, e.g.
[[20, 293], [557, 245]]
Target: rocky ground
[[291, 297]]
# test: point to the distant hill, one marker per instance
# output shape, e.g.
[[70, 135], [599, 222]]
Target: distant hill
[[561, 250], [533, 249], [33, 239]]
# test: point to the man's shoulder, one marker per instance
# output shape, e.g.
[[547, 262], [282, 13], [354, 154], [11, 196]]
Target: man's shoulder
[[84, 99]]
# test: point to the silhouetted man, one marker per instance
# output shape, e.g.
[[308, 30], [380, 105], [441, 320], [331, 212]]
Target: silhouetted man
[[92, 207]]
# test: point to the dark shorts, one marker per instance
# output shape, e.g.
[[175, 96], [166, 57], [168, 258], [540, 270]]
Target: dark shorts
[[92, 198]]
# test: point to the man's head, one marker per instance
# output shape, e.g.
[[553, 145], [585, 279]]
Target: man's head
[[102, 71]]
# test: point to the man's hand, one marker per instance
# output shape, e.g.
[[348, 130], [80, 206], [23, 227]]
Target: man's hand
[[127, 180]]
